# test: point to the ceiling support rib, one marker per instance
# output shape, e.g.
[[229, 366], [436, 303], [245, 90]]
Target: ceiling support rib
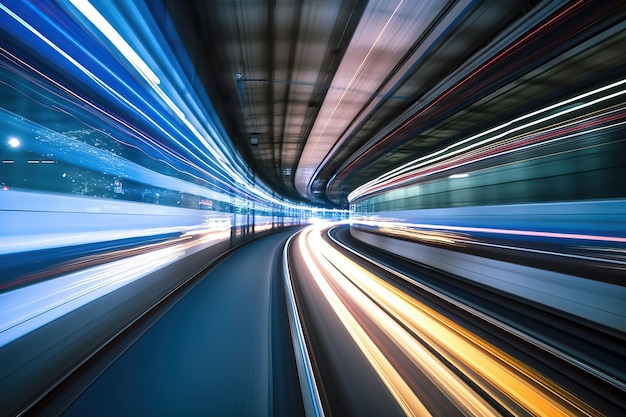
[[290, 69], [271, 53]]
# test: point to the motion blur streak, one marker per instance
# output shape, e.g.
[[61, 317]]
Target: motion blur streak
[[397, 227], [392, 379], [417, 167], [28, 308], [412, 325], [107, 30]]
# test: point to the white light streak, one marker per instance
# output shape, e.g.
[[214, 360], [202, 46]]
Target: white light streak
[[116, 39], [205, 134], [28, 308], [450, 151]]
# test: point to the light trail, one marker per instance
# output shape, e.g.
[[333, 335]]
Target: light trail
[[400, 390], [519, 44], [489, 319], [214, 160], [411, 325], [490, 136], [412, 230], [29, 308], [111, 34], [558, 132]]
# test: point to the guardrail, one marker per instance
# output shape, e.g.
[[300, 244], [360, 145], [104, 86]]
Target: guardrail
[[308, 386]]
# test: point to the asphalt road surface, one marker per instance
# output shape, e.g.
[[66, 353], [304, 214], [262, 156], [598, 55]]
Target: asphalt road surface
[[224, 349]]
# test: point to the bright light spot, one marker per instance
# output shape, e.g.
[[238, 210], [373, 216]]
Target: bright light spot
[[314, 220], [14, 142], [458, 176]]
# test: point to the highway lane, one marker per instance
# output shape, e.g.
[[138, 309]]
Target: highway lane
[[362, 369], [429, 360], [347, 384], [223, 349], [379, 345]]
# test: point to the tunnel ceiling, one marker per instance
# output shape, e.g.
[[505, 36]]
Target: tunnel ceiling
[[320, 96]]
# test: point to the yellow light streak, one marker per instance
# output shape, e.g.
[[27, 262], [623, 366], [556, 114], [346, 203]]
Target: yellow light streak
[[516, 386], [400, 390], [434, 236]]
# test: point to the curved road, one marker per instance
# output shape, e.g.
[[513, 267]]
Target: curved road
[[381, 345], [219, 351], [378, 345]]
